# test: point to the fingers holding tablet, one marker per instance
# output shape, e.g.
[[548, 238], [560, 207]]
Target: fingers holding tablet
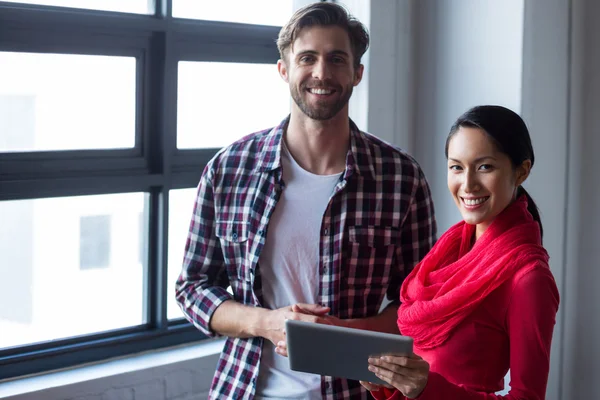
[[373, 387], [408, 374]]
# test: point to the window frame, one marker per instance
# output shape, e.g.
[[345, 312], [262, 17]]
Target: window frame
[[153, 166]]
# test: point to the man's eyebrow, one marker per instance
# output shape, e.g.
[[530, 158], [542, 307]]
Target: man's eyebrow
[[340, 52], [304, 52], [313, 52]]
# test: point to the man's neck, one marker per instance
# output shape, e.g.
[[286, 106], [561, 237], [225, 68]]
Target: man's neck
[[319, 147]]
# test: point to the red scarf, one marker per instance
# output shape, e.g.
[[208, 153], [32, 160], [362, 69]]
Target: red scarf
[[453, 278]]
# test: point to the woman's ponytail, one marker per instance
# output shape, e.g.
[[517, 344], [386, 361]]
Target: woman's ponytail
[[532, 208]]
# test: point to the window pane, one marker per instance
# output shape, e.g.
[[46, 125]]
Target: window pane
[[128, 6], [94, 241], [262, 12], [181, 205], [70, 266], [66, 102], [219, 103]]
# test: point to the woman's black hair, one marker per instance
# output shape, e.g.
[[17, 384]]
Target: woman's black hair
[[510, 135]]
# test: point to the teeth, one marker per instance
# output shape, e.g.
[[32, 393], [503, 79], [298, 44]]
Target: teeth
[[320, 91], [474, 202]]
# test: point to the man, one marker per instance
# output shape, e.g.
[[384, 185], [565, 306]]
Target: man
[[311, 220]]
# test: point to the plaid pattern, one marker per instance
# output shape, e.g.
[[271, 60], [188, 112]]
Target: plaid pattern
[[378, 225]]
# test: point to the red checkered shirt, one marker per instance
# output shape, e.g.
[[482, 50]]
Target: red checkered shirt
[[379, 223]]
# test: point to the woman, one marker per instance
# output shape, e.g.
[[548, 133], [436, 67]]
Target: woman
[[484, 299]]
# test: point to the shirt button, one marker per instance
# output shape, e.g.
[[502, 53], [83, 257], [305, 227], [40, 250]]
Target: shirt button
[[260, 232], [326, 231], [327, 385], [324, 270], [234, 236]]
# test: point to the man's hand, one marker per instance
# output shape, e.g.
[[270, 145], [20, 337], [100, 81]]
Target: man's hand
[[273, 325], [241, 321], [307, 312]]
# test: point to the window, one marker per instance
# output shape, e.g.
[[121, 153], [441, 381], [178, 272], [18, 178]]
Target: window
[[181, 205], [129, 6], [255, 93], [264, 12], [107, 119], [16, 267], [60, 102], [67, 255], [142, 235], [94, 241], [17, 116]]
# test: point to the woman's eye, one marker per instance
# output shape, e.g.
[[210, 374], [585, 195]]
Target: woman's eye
[[455, 167], [485, 167]]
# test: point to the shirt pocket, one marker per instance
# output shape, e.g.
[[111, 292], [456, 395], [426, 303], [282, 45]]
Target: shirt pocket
[[371, 255], [233, 237], [232, 231], [374, 236]]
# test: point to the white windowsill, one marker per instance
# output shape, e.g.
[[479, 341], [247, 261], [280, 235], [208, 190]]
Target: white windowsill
[[135, 362]]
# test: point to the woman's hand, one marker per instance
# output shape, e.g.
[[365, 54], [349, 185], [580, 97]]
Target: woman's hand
[[407, 374]]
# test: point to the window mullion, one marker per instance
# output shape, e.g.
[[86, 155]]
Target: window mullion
[[162, 8], [160, 139]]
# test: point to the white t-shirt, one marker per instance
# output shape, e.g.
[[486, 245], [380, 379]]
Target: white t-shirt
[[289, 270]]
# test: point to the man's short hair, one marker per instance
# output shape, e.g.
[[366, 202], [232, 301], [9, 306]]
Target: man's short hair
[[324, 14]]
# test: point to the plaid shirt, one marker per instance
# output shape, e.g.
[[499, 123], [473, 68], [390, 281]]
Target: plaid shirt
[[379, 223]]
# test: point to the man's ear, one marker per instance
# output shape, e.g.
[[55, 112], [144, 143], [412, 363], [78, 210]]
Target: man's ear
[[358, 74], [283, 71], [523, 171]]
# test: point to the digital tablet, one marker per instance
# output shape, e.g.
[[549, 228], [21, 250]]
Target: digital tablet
[[340, 352]]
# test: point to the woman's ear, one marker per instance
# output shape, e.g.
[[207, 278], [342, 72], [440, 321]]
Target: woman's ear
[[523, 172]]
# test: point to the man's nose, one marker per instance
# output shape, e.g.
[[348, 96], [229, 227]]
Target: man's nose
[[321, 70]]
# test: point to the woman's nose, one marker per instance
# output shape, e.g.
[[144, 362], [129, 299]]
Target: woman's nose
[[470, 184]]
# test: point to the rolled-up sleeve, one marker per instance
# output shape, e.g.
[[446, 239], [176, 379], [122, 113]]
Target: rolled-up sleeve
[[202, 284]]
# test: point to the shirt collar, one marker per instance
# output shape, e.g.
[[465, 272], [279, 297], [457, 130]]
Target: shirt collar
[[358, 158]]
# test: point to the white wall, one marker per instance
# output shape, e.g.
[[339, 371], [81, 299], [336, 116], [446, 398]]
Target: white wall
[[468, 52], [545, 108], [391, 84], [580, 350]]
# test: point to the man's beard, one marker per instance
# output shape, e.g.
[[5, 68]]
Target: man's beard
[[320, 112]]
